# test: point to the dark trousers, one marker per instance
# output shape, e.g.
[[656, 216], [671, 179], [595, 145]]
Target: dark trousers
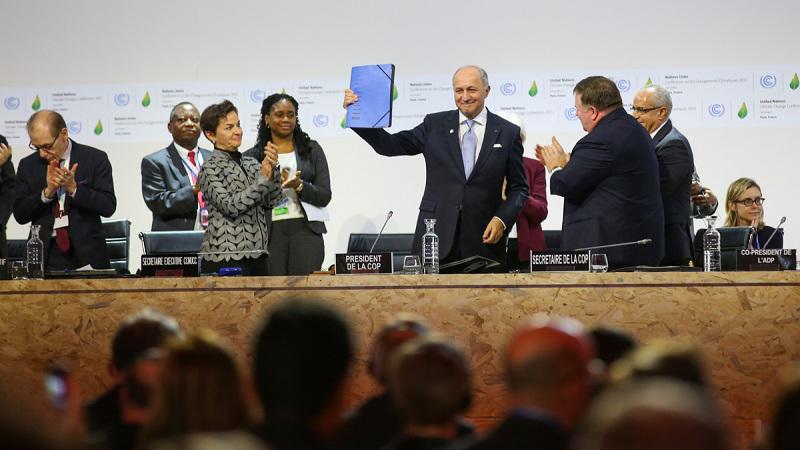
[[294, 249], [456, 254], [249, 266]]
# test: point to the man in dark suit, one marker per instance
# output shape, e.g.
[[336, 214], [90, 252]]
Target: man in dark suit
[[64, 188], [468, 152], [7, 177], [169, 176], [651, 107], [610, 181], [549, 386]]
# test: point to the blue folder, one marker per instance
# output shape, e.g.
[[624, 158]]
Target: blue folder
[[373, 85]]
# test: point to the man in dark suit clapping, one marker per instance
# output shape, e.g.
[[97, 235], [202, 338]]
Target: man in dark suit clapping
[[468, 152], [610, 181], [64, 187]]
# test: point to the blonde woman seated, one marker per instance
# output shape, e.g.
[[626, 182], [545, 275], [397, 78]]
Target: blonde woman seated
[[744, 205]]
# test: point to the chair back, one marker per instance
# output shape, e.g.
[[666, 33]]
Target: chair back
[[117, 233], [171, 242], [731, 240]]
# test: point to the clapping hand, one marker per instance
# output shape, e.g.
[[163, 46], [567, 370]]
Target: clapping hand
[[270, 159], [552, 156], [68, 179], [290, 183], [53, 182]]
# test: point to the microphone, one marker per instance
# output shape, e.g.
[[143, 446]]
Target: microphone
[[388, 216], [783, 219], [647, 241]]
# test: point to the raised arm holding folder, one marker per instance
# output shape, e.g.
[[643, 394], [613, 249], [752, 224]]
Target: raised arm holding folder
[[373, 85]]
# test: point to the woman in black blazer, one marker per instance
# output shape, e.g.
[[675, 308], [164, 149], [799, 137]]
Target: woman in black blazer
[[296, 246]]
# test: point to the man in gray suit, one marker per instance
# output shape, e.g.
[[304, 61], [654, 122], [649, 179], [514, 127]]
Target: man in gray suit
[[169, 176]]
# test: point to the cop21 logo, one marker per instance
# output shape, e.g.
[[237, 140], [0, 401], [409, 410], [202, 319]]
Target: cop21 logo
[[571, 113]]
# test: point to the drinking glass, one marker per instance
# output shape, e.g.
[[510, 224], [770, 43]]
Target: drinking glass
[[598, 263], [19, 270], [411, 265]]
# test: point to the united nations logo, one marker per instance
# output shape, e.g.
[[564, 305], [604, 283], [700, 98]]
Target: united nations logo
[[571, 113], [122, 99], [257, 96], [75, 127], [11, 103], [508, 88], [624, 85], [716, 110], [321, 121], [768, 81]]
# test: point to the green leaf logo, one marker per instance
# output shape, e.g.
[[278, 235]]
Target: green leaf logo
[[395, 94], [649, 82], [146, 99], [534, 89], [98, 129], [283, 90], [344, 122], [742, 111], [37, 103], [795, 83]]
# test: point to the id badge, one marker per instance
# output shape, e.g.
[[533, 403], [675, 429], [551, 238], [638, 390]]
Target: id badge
[[282, 207], [204, 218], [61, 222]]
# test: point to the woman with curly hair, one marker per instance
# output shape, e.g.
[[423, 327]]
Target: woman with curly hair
[[296, 246]]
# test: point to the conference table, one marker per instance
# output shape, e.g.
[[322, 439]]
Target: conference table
[[745, 322]]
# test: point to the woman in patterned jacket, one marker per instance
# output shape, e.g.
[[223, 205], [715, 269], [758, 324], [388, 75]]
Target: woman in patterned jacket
[[239, 194]]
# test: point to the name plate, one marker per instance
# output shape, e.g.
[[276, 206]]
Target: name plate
[[363, 263], [178, 265], [559, 261], [766, 259]]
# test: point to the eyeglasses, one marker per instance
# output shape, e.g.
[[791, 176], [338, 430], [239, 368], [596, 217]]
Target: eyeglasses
[[45, 147], [640, 110], [749, 201]]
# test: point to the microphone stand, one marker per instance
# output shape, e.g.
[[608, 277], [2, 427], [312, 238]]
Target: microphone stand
[[388, 216], [621, 244], [783, 219]]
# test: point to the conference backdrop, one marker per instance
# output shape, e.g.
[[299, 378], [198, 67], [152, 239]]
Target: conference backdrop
[[114, 70]]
